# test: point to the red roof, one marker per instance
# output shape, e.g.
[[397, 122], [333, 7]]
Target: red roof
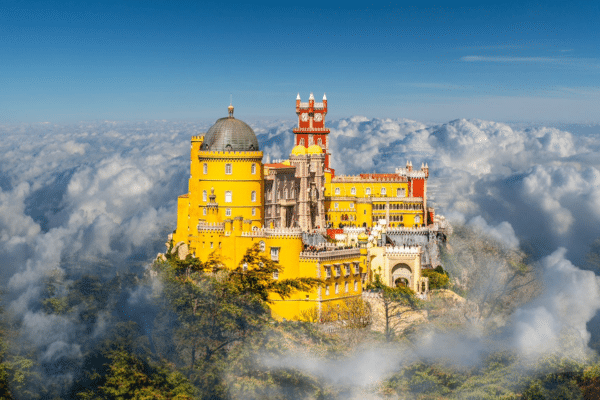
[[278, 165]]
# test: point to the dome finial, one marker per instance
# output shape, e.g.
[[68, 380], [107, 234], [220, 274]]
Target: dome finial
[[230, 108]]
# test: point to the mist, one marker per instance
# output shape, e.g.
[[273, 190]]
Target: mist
[[100, 198]]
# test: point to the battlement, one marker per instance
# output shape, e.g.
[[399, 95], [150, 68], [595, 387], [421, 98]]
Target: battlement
[[197, 138], [274, 232], [411, 173], [402, 250], [369, 178], [211, 226], [331, 254], [416, 229], [208, 154]]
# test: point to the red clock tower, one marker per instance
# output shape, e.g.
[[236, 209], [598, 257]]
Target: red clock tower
[[311, 126]]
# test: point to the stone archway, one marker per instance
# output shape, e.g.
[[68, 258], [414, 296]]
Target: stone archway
[[401, 275]]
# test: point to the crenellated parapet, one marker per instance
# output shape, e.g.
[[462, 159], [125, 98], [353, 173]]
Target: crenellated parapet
[[225, 155], [211, 226], [329, 255], [397, 251], [281, 233]]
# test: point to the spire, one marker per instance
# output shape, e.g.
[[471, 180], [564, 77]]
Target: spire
[[230, 108], [312, 96], [298, 97], [324, 97]]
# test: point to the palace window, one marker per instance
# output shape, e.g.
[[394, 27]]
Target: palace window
[[327, 290], [347, 270], [338, 270], [418, 219], [337, 288], [368, 191], [245, 267], [337, 190], [228, 169], [351, 205], [205, 168], [285, 192], [302, 142], [401, 192], [356, 286], [276, 274], [383, 191], [228, 196], [253, 196], [327, 272], [275, 253], [254, 212], [204, 195], [253, 169], [228, 212], [261, 245], [336, 205], [356, 268], [353, 190], [346, 286], [203, 210]]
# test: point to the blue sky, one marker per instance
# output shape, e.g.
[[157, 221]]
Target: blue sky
[[119, 60]]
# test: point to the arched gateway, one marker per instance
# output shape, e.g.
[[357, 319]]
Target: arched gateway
[[401, 275]]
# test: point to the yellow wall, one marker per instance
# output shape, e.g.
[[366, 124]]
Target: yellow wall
[[352, 200], [182, 230], [360, 187]]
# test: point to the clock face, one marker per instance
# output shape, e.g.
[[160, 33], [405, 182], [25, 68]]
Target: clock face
[[318, 117], [304, 116]]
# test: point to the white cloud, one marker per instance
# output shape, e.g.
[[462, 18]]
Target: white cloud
[[105, 192]]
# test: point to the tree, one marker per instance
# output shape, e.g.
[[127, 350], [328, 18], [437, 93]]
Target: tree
[[121, 367], [396, 303], [216, 308], [437, 279]]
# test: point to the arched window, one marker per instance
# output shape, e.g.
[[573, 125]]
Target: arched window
[[337, 190], [205, 168], [253, 169], [368, 191], [400, 192], [285, 194], [228, 197], [261, 246], [353, 190], [253, 196], [228, 169], [204, 195], [383, 191]]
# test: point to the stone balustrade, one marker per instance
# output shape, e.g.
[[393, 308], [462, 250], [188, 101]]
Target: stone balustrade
[[332, 254]]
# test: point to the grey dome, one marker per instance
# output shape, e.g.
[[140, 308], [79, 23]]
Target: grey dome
[[230, 134]]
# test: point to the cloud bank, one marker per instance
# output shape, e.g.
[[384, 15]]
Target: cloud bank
[[101, 197]]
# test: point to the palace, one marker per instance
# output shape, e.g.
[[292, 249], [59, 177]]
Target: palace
[[342, 229]]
